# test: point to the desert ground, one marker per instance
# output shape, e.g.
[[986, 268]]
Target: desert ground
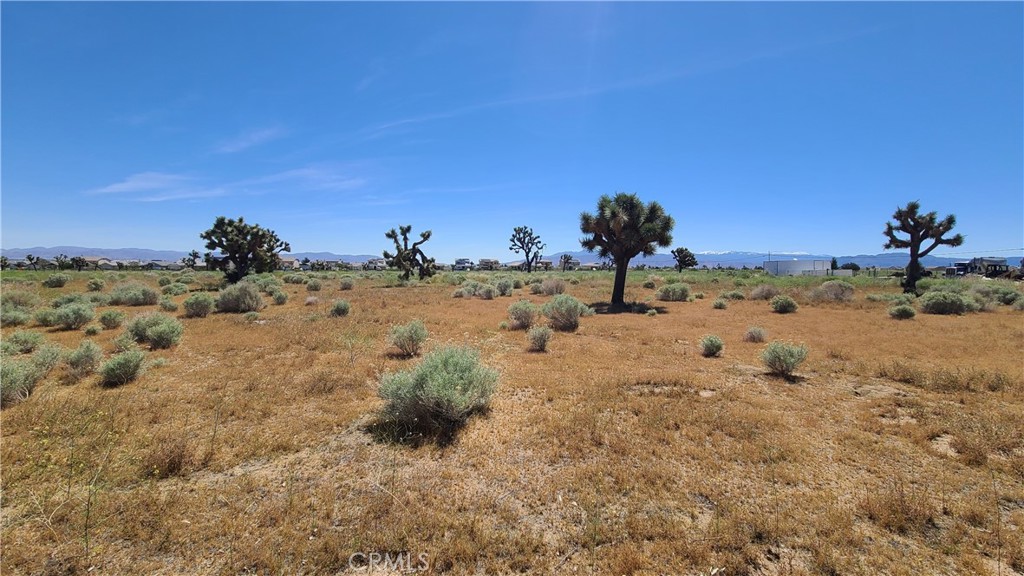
[[251, 446]]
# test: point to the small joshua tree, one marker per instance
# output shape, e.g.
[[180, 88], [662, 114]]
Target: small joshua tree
[[564, 261], [919, 228], [408, 258], [523, 239], [684, 259]]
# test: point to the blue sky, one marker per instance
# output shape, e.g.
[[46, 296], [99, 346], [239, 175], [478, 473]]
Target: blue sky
[[758, 126]]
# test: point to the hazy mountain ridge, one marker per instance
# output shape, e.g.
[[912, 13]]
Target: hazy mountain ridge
[[736, 259]]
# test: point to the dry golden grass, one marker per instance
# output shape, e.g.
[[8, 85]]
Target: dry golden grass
[[899, 449]]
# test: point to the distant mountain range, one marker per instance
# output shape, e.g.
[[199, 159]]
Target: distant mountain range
[[710, 259]]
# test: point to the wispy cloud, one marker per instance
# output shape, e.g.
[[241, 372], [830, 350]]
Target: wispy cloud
[[144, 182], [162, 187], [643, 81], [249, 139]]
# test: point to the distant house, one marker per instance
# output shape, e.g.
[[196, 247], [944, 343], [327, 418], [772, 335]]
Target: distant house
[[463, 264], [488, 264], [289, 264], [988, 266], [798, 267]]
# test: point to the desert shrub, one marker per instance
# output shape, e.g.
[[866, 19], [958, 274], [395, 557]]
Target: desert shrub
[[93, 330], [279, 297], [251, 316], [651, 312], [574, 281], [946, 303], [266, 283], [22, 342], [111, 319], [164, 281], [199, 305], [538, 336], [18, 299], [295, 279], [517, 283], [458, 293], [313, 285], [783, 304], [340, 308], [902, 312], [97, 299], [895, 299], [133, 295], [833, 291], [504, 287], [754, 334], [699, 296], [522, 314], [168, 305], [1019, 305], [711, 346], [347, 283], [95, 285], [552, 286], [73, 316], [486, 292], [85, 359], [720, 304], [14, 317], [311, 301], [175, 289], [674, 293], [440, 393], [408, 338], [995, 291], [783, 358], [157, 330], [650, 284], [46, 317], [764, 292], [564, 312], [19, 376], [733, 295], [69, 299], [239, 298], [56, 280], [535, 288], [122, 368]]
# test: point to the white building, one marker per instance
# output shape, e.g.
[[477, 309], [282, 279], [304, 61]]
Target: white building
[[798, 267]]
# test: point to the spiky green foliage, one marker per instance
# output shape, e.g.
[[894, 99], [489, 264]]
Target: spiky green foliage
[[674, 293], [524, 240], [440, 393], [242, 248], [95, 285], [624, 227], [919, 229], [684, 259], [408, 258]]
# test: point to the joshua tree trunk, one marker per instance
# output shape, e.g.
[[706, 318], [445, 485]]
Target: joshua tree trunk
[[619, 289]]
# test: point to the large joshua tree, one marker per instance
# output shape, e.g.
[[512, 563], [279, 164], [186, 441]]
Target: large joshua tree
[[408, 258], [919, 228], [242, 248], [529, 243], [624, 227]]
